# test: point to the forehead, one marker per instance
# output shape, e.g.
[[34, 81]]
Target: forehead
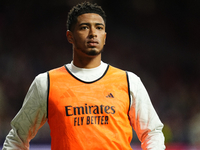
[[90, 18]]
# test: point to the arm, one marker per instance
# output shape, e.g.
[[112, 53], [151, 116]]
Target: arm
[[143, 116], [31, 116]]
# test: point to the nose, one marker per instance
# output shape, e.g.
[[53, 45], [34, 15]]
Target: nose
[[92, 32]]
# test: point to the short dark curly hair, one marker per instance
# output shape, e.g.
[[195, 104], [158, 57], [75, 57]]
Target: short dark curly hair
[[82, 8]]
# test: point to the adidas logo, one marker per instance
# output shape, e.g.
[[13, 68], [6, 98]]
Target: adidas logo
[[110, 96]]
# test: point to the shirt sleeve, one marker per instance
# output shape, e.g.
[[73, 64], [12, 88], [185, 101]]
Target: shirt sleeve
[[143, 116], [31, 116]]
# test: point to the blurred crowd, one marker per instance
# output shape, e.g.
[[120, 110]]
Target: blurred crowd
[[156, 39]]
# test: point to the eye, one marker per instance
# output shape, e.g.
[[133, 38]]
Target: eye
[[84, 27], [99, 27]]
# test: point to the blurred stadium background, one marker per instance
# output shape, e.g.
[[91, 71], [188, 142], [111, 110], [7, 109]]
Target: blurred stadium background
[[156, 39]]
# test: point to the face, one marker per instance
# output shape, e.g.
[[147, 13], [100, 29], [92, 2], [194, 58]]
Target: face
[[88, 37]]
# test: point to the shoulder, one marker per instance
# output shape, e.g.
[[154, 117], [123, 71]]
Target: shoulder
[[115, 71], [132, 76], [56, 72], [40, 82], [134, 82], [58, 69], [41, 77]]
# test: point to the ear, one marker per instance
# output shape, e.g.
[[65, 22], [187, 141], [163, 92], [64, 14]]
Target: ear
[[105, 38], [69, 36]]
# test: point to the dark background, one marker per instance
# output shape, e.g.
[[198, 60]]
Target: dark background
[[156, 39]]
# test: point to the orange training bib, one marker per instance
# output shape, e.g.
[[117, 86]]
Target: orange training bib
[[89, 115]]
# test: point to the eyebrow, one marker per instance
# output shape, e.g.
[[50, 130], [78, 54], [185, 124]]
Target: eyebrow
[[90, 23]]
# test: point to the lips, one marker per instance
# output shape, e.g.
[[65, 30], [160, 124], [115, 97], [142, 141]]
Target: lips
[[92, 43]]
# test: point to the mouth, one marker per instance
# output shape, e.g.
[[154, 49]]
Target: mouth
[[92, 43]]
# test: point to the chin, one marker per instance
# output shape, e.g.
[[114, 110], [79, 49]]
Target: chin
[[93, 52]]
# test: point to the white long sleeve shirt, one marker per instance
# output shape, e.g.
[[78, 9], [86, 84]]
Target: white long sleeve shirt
[[33, 113]]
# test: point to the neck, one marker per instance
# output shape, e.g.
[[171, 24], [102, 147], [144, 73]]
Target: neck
[[87, 62]]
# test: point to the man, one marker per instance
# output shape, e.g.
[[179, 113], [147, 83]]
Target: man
[[87, 103]]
